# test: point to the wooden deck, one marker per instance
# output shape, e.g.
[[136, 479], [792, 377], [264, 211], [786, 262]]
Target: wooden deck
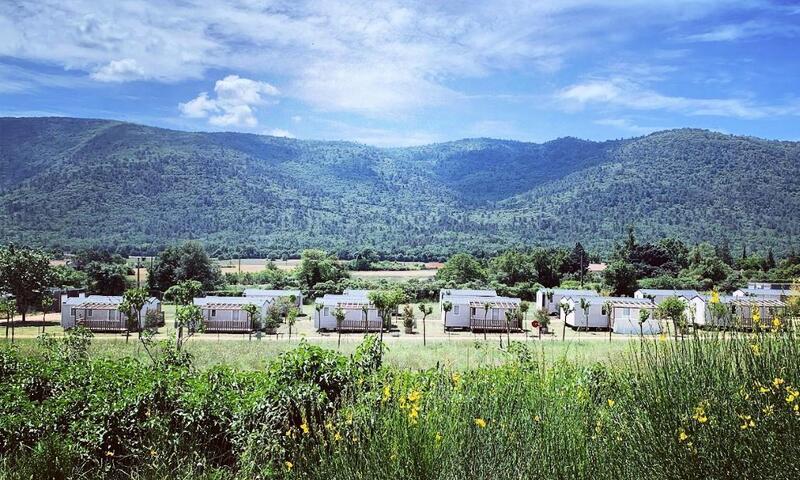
[[228, 326], [478, 324], [359, 326]]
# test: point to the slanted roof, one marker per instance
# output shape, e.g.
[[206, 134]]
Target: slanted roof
[[571, 292], [751, 301], [260, 292], [455, 292], [767, 292], [687, 294], [347, 301], [232, 303], [625, 302], [496, 302], [97, 299]]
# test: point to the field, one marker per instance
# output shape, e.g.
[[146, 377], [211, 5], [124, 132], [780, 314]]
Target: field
[[717, 406]]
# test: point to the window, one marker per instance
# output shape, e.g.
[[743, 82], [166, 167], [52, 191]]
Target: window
[[495, 314], [604, 312], [326, 311], [626, 313], [72, 312], [89, 313], [456, 309], [213, 313]]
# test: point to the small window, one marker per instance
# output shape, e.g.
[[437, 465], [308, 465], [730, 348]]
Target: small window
[[213, 313], [455, 309], [72, 312], [326, 311], [626, 313], [495, 314], [89, 313], [604, 311]]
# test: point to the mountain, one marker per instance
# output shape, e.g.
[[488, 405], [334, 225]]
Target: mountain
[[70, 183]]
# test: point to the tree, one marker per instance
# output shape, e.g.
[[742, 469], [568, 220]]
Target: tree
[[364, 259], [318, 308], [317, 266], [339, 315], [523, 308], [565, 309], [620, 276], [770, 262], [446, 307], [644, 315], [46, 305], [253, 317], [183, 294], [673, 309], [386, 301], [486, 307], [425, 310], [461, 268], [291, 318], [107, 278], [609, 308], [25, 274], [8, 307], [365, 311], [185, 262], [189, 317], [133, 300], [585, 304], [578, 261], [511, 267]]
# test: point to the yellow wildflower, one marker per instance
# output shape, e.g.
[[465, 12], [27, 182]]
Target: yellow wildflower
[[328, 426], [756, 315], [776, 324], [611, 402], [747, 422], [700, 413], [109, 453], [768, 410], [413, 415], [153, 453], [792, 394], [456, 378], [438, 438], [387, 393], [337, 437], [480, 423], [304, 427], [289, 465], [777, 382], [756, 349], [682, 437], [537, 419], [414, 396], [714, 296]]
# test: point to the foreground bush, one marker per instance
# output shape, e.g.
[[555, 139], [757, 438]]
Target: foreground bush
[[714, 407]]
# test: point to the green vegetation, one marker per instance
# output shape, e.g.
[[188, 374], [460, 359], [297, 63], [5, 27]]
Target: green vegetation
[[711, 407], [74, 183]]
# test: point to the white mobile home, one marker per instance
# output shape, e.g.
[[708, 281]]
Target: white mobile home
[[548, 299], [620, 313], [774, 293], [353, 303], [100, 313], [735, 311], [227, 314], [272, 295], [659, 295], [478, 310]]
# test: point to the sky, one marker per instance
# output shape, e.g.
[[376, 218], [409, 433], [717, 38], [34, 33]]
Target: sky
[[398, 73]]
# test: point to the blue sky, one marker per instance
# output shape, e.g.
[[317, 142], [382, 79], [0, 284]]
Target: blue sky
[[400, 73]]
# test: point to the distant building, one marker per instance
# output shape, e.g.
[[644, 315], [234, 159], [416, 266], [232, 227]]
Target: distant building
[[100, 313], [596, 267], [780, 294], [478, 310], [659, 295], [736, 311], [548, 299], [272, 295], [353, 303], [621, 314], [227, 314]]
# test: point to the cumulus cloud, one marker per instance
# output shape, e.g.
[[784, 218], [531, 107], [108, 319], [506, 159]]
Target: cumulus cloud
[[234, 103], [119, 71]]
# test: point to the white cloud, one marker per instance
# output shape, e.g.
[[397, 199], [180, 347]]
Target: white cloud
[[235, 102], [380, 58], [279, 132], [119, 71], [748, 29], [622, 92], [297, 118]]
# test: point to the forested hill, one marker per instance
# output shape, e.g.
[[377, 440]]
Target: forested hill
[[71, 183]]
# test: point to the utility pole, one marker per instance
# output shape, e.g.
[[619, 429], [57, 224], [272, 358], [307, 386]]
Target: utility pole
[[581, 269]]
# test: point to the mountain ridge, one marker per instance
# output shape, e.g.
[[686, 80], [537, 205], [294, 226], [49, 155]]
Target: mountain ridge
[[70, 183]]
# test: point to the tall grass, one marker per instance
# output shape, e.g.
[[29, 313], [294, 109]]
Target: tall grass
[[714, 406]]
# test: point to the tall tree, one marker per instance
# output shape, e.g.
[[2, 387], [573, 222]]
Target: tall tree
[[386, 301], [133, 300], [185, 262], [461, 268], [425, 310], [620, 276], [446, 307], [24, 273]]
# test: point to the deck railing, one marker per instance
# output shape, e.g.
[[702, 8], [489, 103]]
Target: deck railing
[[221, 326], [359, 325], [479, 324], [102, 325]]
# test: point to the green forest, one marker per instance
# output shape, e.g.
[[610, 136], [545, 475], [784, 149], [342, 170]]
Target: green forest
[[69, 184]]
